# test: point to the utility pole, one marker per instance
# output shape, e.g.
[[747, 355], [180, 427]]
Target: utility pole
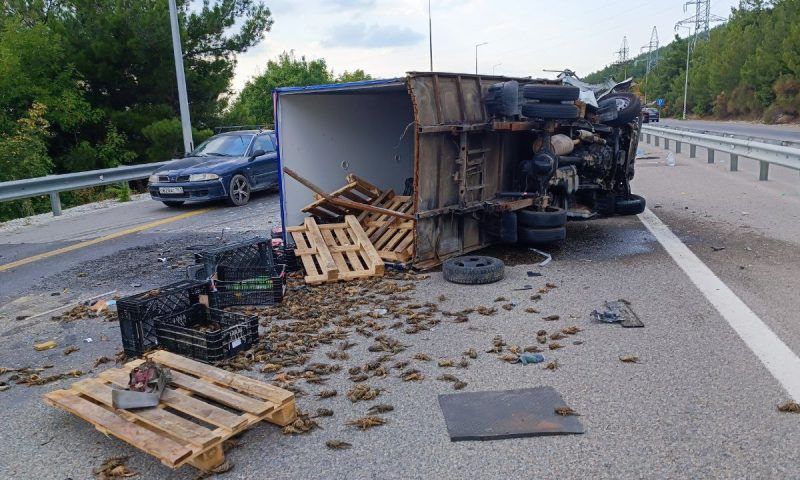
[[495, 66], [476, 55], [652, 58], [701, 21], [622, 56], [430, 34], [183, 100]]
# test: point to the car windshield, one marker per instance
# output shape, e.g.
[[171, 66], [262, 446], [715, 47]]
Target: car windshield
[[224, 146]]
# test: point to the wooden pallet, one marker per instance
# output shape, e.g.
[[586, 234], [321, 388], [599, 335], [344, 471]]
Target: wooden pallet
[[356, 190], [195, 432], [335, 251], [392, 237]]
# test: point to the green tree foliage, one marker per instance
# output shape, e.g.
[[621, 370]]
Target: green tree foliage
[[747, 68], [254, 104], [166, 138], [354, 76]]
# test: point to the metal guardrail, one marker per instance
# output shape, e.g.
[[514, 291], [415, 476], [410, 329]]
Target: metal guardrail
[[717, 133], [53, 184], [765, 153]]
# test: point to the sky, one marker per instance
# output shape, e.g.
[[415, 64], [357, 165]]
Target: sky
[[387, 38]]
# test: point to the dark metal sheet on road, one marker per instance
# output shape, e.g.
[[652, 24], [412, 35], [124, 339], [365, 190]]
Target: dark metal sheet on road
[[503, 414]]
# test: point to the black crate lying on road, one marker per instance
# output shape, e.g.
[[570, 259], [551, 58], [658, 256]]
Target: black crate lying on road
[[206, 334], [248, 286], [253, 252], [137, 313]]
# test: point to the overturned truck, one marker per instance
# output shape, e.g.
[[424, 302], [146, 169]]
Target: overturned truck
[[484, 159]]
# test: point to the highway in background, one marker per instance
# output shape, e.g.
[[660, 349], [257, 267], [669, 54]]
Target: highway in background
[[777, 132], [699, 404]]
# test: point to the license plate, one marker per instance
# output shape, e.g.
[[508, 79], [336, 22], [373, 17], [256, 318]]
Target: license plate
[[170, 189]]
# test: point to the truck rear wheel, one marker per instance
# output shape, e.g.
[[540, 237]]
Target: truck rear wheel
[[551, 217], [550, 111], [533, 236], [633, 205], [551, 93]]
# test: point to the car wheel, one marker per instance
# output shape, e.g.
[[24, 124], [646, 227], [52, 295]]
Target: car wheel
[[239, 191], [173, 203], [550, 110], [473, 270], [551, 93], [633, 205], [533, 236], [627, 105], [550, 218]]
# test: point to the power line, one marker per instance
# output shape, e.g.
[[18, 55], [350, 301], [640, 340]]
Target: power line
[[622, 56], [652, 57]]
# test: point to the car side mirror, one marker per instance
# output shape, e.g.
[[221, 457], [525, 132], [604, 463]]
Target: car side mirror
[[256, 153]]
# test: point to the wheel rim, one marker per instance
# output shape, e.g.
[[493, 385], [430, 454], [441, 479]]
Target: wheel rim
[[240, 191], [622, 103], [473, 262]]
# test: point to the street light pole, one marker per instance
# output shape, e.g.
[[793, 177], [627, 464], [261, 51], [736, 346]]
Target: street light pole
[[495, 66], [430, 34], [476, 55], [686, 80], [183, 101]]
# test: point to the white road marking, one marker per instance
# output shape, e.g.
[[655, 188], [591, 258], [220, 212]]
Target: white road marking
[[779, 359]]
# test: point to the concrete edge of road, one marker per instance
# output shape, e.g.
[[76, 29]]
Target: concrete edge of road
[[773, 353]]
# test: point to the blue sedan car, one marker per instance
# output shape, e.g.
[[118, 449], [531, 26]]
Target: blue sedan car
[[227, 166]]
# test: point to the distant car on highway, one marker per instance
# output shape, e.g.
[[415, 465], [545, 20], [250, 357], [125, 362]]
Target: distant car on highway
[[650, 115], [228, 166]]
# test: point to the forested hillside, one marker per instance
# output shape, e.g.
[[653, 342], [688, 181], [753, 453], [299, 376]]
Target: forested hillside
[[748, 68]]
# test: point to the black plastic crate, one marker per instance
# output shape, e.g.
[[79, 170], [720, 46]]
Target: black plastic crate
[[206, 334], [284, 254], [248, 286], [253, 252], [136, 313]]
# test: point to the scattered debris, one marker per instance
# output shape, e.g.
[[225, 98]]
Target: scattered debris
[[500, 299], [486, 311], [565, 411], [717, 249], [459, 385], [338, 355], [508, 306], [555, 346], [547, 257], [619, 311], [629, 358], [101, 361], [303, 424], [471, 353], [71, 349], [552, 365], [531, 310], [446, 377], [114, 468], [463, 363], [337, 445], [445, 362], [527, 358], [571, 330], [541, 339], [327, 393], [442, 298], [789, 407], [323, 412], [380, 408], [44, 345], [557, 336], [367, 422], [412, 375], [551, 318], [422, 357], [362, 392]]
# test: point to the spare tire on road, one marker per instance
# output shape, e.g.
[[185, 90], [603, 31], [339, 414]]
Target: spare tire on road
[[633, 205], [473, 270], [550, 93]]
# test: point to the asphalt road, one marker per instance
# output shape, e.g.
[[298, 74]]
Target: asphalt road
[[699, 404], [777, 132]]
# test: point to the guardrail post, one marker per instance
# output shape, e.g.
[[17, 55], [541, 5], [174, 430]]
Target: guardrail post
[[656, 140], [734, 163], [648, 138], [677, 147], [666, 143], [55, 203], [763, 171], [692, 151], [710, 155]]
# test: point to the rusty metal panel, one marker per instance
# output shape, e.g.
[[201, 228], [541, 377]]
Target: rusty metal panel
[[458, 163]]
